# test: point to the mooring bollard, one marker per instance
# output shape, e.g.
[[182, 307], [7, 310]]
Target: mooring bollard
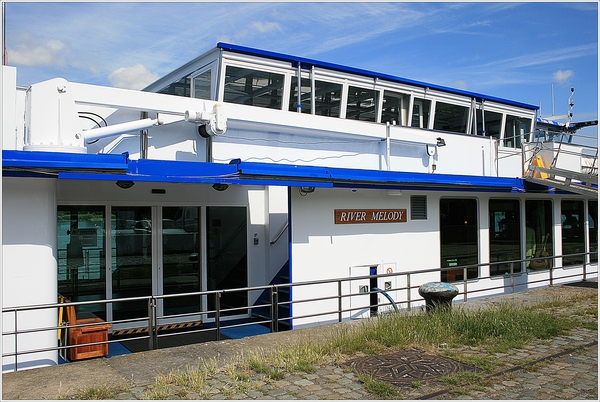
[[438, 295]]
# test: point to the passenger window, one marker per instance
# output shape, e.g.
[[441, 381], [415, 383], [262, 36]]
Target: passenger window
[[453, 118], [178, 88], [305, 97], [517, 130], [395, 108], [252, 87], [362, 104], [202, 84], [328, 97], [505, 236], [420, 113], [493, 123], [459, 238]]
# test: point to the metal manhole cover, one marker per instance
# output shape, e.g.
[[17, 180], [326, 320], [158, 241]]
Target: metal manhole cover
[[406, 366]]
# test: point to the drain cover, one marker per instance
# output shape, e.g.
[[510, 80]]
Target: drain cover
[[406, 366]]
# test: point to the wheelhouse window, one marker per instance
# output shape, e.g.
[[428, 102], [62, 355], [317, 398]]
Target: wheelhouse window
[[448, 117], [420, 113], [328, 97], [458, 238], [505, 236], [516, 131], [202, 85], [253, 87], [493, 123], [178, 88], [572, 222], [593, 229], [538, 235], [395, 108], [362, 104]]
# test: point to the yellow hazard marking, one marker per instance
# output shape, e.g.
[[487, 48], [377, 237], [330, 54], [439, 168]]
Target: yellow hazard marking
[[160, 328], [537, 161]]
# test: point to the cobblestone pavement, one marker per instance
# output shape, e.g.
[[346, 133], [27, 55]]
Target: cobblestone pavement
[[560, 368]]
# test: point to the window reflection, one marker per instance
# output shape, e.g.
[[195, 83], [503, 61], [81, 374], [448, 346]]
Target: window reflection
[[253, 87], [505, 235], [362, 104], [81, 258], [593, 229], [572, 223], [538, 236], [458, 236], [453, 118]]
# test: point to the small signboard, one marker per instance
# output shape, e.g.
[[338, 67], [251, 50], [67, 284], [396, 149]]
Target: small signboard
[[344, 216]]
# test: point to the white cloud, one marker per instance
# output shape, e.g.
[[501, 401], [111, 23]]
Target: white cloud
[[30, 51], [561, 76], [263, 27], [460, 84], [133, 77]]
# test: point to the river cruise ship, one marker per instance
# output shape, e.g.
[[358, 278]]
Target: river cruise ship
[[193, 202]]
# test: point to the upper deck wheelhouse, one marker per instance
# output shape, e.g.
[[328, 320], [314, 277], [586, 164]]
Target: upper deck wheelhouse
[[241, 75]]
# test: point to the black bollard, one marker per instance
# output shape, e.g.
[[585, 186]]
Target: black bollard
[[438, 295]]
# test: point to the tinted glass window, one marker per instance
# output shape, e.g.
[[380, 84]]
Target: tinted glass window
[[538, 236], [395, 108], [252, 87], [458, 235], [573, 226], [452, 118], [593, 217], [202, 85], [505, 235], [179, 88], [516, 131], [362, 104]]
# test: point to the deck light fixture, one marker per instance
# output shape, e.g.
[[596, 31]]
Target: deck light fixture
[[220, 186], [125, 184], [306, 190], [440, 142]]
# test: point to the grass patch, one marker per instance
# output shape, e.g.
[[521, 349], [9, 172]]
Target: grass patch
[[379, 389], [490, 330], [95, 393], [261, 367], [497, 329]]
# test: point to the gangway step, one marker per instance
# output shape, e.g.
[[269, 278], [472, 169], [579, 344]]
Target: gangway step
[[567, 174], [561, 185]]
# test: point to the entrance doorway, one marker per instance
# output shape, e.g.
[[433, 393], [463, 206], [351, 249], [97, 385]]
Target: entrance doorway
[[143, 251]]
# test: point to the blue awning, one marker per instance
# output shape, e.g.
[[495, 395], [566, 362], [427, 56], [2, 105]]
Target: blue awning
[[119, 167]]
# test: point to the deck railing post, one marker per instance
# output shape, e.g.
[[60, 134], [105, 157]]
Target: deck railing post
[[16, 342], [465, 295], [408, 291], [339, 300], [274, 309], [512, 277], [152, 339], [218, 314]]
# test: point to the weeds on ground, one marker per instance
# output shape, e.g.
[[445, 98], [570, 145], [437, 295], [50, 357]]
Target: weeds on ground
[[493, 329], [379, 389], [102, 391], [496, 329]]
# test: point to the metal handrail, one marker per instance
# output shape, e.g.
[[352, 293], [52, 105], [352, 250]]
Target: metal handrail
[[516, 270]]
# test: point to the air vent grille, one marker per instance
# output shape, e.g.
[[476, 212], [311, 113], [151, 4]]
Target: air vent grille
[[418, 207]]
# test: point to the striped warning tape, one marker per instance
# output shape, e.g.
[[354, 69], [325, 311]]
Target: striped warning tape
[[160, 328]]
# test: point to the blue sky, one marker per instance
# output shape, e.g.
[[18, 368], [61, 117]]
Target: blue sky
[[509, 50]]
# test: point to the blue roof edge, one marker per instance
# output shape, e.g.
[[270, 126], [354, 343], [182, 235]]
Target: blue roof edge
[[119, 167], [338, 67]]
